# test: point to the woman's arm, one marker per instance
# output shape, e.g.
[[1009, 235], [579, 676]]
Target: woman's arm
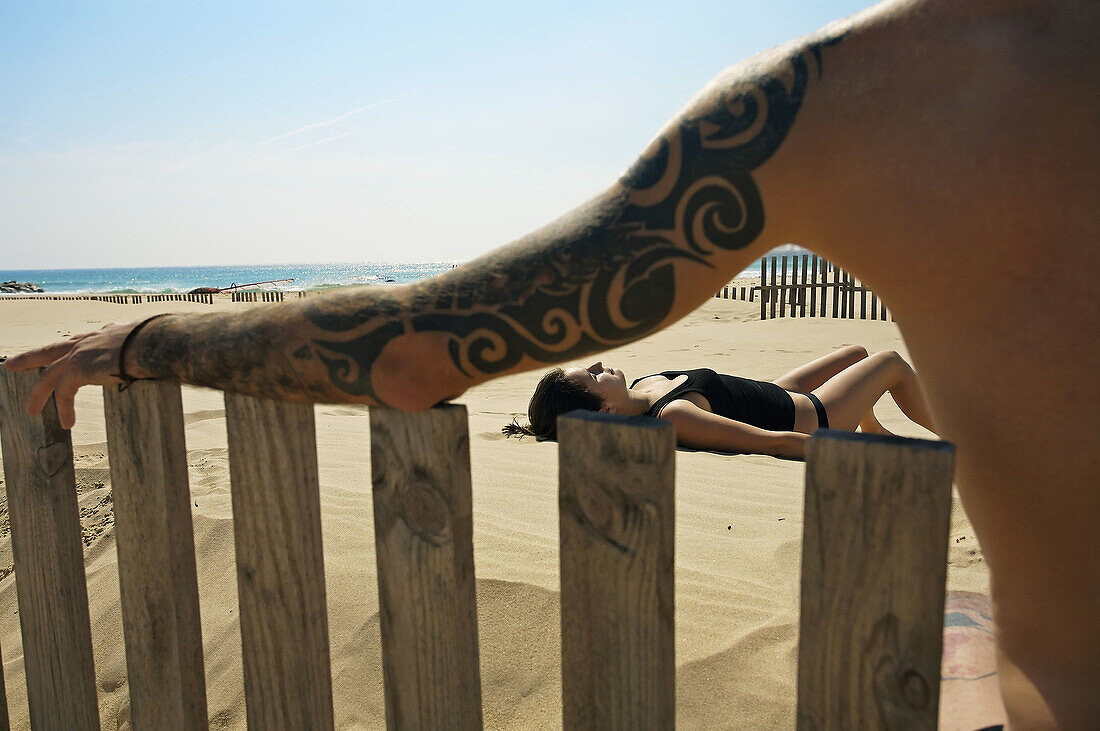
[[700, 429], [687, 216]]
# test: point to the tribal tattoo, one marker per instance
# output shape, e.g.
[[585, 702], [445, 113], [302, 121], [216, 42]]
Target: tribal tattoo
[[604, 275]]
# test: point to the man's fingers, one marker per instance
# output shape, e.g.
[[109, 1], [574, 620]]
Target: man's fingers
[[39, 356], [45, 386], [65, 397]]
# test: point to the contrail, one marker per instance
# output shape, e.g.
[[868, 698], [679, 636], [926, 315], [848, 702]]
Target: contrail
[[334, 120], [320, 142]]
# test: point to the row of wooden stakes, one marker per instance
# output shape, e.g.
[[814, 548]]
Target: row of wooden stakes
[[873, 571], [137, 299], [118, 299], [260, 296], [809, 293]]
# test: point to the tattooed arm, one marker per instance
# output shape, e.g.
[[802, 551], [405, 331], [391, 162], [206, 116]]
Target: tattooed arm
[[968, 690], [687, 216]]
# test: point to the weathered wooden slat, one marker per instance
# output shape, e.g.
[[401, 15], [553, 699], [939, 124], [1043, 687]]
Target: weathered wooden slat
[[49, 560], [851, 297], [280, 567], [795, 288], [774, 294], [763, 288], [423, 527], [874, 563], [616, 521], [813, 286], [156, 555], [4, 722], [802, 294], [836, 292], [842, 293], [803, 290], [783, 291], [798, 282]]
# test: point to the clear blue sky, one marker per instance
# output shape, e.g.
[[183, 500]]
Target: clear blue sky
[[149, 134]]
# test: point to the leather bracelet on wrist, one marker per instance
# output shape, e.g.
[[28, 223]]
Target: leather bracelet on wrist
[[127, 380]]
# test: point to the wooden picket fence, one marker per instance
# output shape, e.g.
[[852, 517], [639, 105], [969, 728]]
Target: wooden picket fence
[[872, 597], [118, 299], [816, 288], [137, 299], [258, 296], [206, 298]]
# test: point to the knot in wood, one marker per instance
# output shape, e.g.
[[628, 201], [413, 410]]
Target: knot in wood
[[596, 507], [914, 688], [614, 514], [424, 508], [52, 457]]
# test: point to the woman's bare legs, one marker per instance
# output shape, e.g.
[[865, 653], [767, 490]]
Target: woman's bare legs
[[850, 395], [871, 425], [811, 376]]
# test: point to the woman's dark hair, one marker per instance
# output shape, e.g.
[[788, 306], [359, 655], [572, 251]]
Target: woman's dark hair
[[555, 395]]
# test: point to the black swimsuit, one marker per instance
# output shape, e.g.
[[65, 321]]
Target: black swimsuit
[[758, 403]]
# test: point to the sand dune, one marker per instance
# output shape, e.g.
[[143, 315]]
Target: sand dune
[[738, 536]]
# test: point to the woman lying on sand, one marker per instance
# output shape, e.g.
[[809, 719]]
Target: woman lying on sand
[[724, 413]]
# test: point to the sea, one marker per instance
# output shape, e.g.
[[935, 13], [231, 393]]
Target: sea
[[176, 280], [283, 277]]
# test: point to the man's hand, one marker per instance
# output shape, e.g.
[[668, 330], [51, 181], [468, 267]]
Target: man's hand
[[85, 360]]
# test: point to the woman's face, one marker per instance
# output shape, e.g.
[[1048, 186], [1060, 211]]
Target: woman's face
[[607, 383]]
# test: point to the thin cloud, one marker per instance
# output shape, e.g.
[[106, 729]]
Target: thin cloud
[[320, 142], [335, 120]]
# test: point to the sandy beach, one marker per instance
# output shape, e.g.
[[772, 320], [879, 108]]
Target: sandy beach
[[738, 535]]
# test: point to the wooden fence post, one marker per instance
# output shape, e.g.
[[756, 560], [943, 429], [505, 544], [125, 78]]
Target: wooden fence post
[[836, 291], [49, 560], [813, 287], [280, 566], [773, 291], [763, 288], [423, 527], [616, 508], [844, 284], [851, 295], [796, 286], [156, 555], [802, 292], [783, 291], [874, 563]]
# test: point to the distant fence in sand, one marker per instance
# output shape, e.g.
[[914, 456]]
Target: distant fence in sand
[[118, 299], [809, 292], [874, 557], [258, 296]]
